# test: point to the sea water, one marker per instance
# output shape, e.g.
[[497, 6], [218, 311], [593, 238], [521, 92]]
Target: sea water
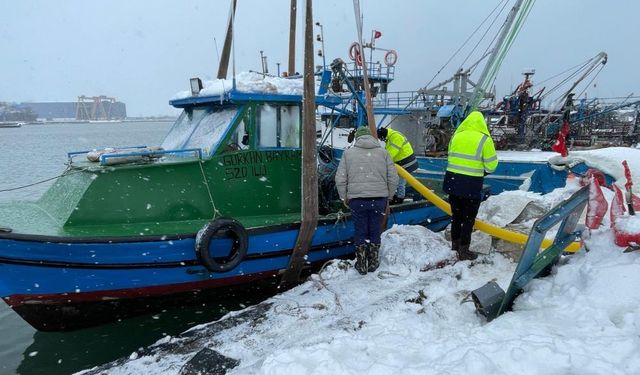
[[34, 153]]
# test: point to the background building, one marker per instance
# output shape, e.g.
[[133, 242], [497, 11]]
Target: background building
[[87, 108]]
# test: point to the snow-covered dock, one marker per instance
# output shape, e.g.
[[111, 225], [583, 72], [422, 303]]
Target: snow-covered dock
[[410, 317]]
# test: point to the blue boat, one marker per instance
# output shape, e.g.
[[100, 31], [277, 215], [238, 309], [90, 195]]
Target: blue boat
[[217, 206]]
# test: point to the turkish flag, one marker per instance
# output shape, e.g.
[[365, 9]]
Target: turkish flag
[[376, 34]]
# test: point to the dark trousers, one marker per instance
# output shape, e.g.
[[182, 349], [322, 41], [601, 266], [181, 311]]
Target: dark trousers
[[464, 212], [367, 215]]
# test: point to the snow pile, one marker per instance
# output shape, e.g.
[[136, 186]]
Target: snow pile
[[408, 247], [518, 210], [609, 160], [628, 224], [528, 156], [248, 82]]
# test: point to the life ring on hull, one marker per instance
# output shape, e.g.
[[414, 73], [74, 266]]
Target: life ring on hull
[[238, 250], [391, 57]]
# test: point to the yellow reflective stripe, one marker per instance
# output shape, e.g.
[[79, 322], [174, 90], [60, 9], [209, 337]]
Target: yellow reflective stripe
[[478, 154], [395, 145], [493, 158], [464, 156], [480, 147], [475, 171]]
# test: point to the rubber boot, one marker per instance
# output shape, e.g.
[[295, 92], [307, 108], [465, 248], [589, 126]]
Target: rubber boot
[[465, 254], [455, 245], [361, 259], [373, 257]]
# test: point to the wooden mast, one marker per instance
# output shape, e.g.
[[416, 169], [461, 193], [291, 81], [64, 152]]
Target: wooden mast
[[309, 162], [365, 75], [292, 38], [226, 49]]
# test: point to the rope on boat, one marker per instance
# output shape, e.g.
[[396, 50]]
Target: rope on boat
[[459, 49], [206, 184], [486, 51], [37, 182]]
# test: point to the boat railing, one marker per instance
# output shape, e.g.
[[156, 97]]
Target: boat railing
[[128, 156], [375, 71], [71, 155], [117, 158], [404, 99]]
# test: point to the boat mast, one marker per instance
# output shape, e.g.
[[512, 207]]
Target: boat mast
[[292, 38], [226, 49], [510, 29], [309, 162], [365, 76]]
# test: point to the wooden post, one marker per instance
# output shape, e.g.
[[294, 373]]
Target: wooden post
[[292, 38], [365, 76], [309, 163], [226, 49]]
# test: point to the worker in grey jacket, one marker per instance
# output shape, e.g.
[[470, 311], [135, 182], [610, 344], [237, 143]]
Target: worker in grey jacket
[[366, 179]]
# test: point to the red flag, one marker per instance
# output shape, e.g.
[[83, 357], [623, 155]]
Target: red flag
[[376, 34], [560, 144]]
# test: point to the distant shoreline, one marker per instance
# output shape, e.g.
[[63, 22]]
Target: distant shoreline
[[147, 119]]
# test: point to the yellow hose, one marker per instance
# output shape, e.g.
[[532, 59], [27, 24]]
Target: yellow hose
[[490, 229]]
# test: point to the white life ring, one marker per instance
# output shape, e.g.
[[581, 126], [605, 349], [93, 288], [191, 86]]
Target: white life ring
[[391, 57], [355, 53]]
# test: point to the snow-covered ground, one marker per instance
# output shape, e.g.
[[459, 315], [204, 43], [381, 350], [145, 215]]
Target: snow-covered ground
[[411, 318]]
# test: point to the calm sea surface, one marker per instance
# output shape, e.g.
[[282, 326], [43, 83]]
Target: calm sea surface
[[36, 152]]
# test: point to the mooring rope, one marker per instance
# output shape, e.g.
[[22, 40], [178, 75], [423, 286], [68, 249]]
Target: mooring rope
[[39, 182], [206, 184]]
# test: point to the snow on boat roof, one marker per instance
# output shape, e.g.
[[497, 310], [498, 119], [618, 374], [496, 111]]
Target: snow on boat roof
[[248, 82]]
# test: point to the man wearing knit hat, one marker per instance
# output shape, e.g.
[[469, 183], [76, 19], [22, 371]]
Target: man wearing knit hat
[[366, 178]]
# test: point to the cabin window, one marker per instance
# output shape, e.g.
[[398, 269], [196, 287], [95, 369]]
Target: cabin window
[[211, 129], [290, 126], [279, 126], [199, 127], [239, 139], [182, 128]]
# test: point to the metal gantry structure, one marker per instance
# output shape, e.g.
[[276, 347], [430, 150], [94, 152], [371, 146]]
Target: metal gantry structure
[[95, 108]]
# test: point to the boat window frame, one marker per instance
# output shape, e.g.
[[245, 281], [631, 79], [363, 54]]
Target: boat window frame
[[277, 106], [240, 109], [244, 110]]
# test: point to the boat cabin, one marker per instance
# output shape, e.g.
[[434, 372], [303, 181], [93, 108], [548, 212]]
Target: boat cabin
[[235, 155]]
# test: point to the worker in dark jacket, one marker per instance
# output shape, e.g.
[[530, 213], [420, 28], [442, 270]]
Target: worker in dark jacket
[[366, 178], [472, 155], [402, 154]]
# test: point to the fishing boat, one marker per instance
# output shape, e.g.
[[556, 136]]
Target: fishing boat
[[428, 116], [10, 124], [217, 205]]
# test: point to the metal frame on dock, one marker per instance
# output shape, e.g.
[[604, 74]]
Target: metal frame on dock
[[490, 300]]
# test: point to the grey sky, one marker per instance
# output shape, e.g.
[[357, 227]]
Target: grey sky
[[143, 52]]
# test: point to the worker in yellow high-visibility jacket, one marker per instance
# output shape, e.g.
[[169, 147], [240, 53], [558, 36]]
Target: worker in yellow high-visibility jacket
[[402, 154], [472, 155]]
